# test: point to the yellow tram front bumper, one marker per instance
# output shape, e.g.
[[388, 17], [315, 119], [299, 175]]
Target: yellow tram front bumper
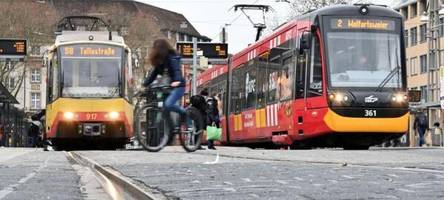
[[343, 124]]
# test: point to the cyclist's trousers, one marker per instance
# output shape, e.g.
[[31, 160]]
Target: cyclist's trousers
[[171, 102]]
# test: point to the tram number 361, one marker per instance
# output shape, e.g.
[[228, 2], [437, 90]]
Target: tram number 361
[[370, 113]]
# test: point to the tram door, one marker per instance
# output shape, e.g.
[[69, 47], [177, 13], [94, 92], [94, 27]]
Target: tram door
[[315, 99], [300, 87]]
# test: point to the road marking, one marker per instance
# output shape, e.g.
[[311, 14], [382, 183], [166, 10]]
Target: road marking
[[213, 162], [11, 188]]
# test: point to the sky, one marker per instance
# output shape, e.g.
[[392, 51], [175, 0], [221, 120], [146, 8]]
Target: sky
[[209, 16]]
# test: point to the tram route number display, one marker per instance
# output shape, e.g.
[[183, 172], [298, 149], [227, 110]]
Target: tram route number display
[[12, 47], [210, 50], [366, 24]]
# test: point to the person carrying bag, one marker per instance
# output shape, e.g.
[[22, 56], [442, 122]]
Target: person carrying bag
[[214, 132]]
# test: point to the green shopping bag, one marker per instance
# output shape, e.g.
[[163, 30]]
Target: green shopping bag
[[214, 133]]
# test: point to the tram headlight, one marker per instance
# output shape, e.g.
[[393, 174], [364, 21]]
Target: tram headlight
[[113, 115], [339, 98], [68, 115], [399, 98]]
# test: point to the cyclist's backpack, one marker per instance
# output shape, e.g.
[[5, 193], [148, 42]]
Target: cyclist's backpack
[[199, 102]]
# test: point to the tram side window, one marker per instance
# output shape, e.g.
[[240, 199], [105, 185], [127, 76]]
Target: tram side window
[[300, 76], [261, 80], [237, 90], [273, 68], [315, 74], [286, 79], [126, 80], [250, 86], [55, 89], [221, 95]]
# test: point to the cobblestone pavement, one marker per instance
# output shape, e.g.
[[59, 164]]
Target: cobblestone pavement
[[34, 174], [235, 173], [242, 173]]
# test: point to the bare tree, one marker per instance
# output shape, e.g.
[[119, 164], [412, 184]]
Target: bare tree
[[24, 19], [301, 6], [138, 28]]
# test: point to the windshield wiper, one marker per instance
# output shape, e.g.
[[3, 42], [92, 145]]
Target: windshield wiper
[[388, 78], [392, 73]]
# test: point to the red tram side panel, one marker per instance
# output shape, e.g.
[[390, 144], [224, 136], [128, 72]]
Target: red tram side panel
[[293, 100]]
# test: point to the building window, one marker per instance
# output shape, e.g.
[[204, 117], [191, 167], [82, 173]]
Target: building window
[[413, 10], [35, 100], [441, 27], [182, 37], [432, 60], [413, 70], [422, 33], [422, 6], [404, 12], [423, 63], [413, 36], [36, 75], [407, 65], [424, 93], [406, 38]]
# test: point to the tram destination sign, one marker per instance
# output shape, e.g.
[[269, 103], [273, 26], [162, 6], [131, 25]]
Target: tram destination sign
[[13, 48], [210, 50], [91, 50], [369, 24]]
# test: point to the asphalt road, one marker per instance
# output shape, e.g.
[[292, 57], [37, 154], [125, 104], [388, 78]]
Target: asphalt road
[[238, 173]]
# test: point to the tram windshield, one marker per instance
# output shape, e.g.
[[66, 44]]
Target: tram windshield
[[364, 59], [91, 76]]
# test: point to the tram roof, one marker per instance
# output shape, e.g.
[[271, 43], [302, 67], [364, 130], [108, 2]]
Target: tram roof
[[89, 36], [353, 10], [342, 10]]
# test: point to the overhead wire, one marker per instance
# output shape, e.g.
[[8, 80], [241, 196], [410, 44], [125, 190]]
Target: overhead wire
[[234, 20]]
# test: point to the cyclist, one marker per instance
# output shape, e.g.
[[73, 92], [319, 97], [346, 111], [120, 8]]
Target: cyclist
[[163, 58]]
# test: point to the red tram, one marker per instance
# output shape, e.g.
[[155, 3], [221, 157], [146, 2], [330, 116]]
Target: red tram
[[335, 77]]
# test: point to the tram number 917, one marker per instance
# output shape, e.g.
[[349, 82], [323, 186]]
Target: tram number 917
[[370, 113]]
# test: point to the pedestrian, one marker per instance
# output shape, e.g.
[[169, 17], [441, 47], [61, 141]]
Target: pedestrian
[[437, 133], [33, 133], [421, 125], [213, 116]]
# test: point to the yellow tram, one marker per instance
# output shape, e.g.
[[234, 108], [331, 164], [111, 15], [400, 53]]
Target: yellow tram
[[89, 81]]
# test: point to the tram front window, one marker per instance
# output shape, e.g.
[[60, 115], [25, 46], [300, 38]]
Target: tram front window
[[364, 59], [91, 77]]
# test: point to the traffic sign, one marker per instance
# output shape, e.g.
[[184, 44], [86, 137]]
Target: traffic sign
[[13, 48], [210, 50]]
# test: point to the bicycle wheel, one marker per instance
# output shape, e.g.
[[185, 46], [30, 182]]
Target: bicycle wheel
[[191, 139], [154, 132]]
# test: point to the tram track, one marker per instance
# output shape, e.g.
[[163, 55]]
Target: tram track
[[116, 185]]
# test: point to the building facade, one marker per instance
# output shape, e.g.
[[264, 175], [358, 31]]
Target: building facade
[[423, 59]]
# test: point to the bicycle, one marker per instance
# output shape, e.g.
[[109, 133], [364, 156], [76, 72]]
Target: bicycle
[[160, 127]]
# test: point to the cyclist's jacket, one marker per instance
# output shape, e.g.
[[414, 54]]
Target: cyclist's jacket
[[172, 66]]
